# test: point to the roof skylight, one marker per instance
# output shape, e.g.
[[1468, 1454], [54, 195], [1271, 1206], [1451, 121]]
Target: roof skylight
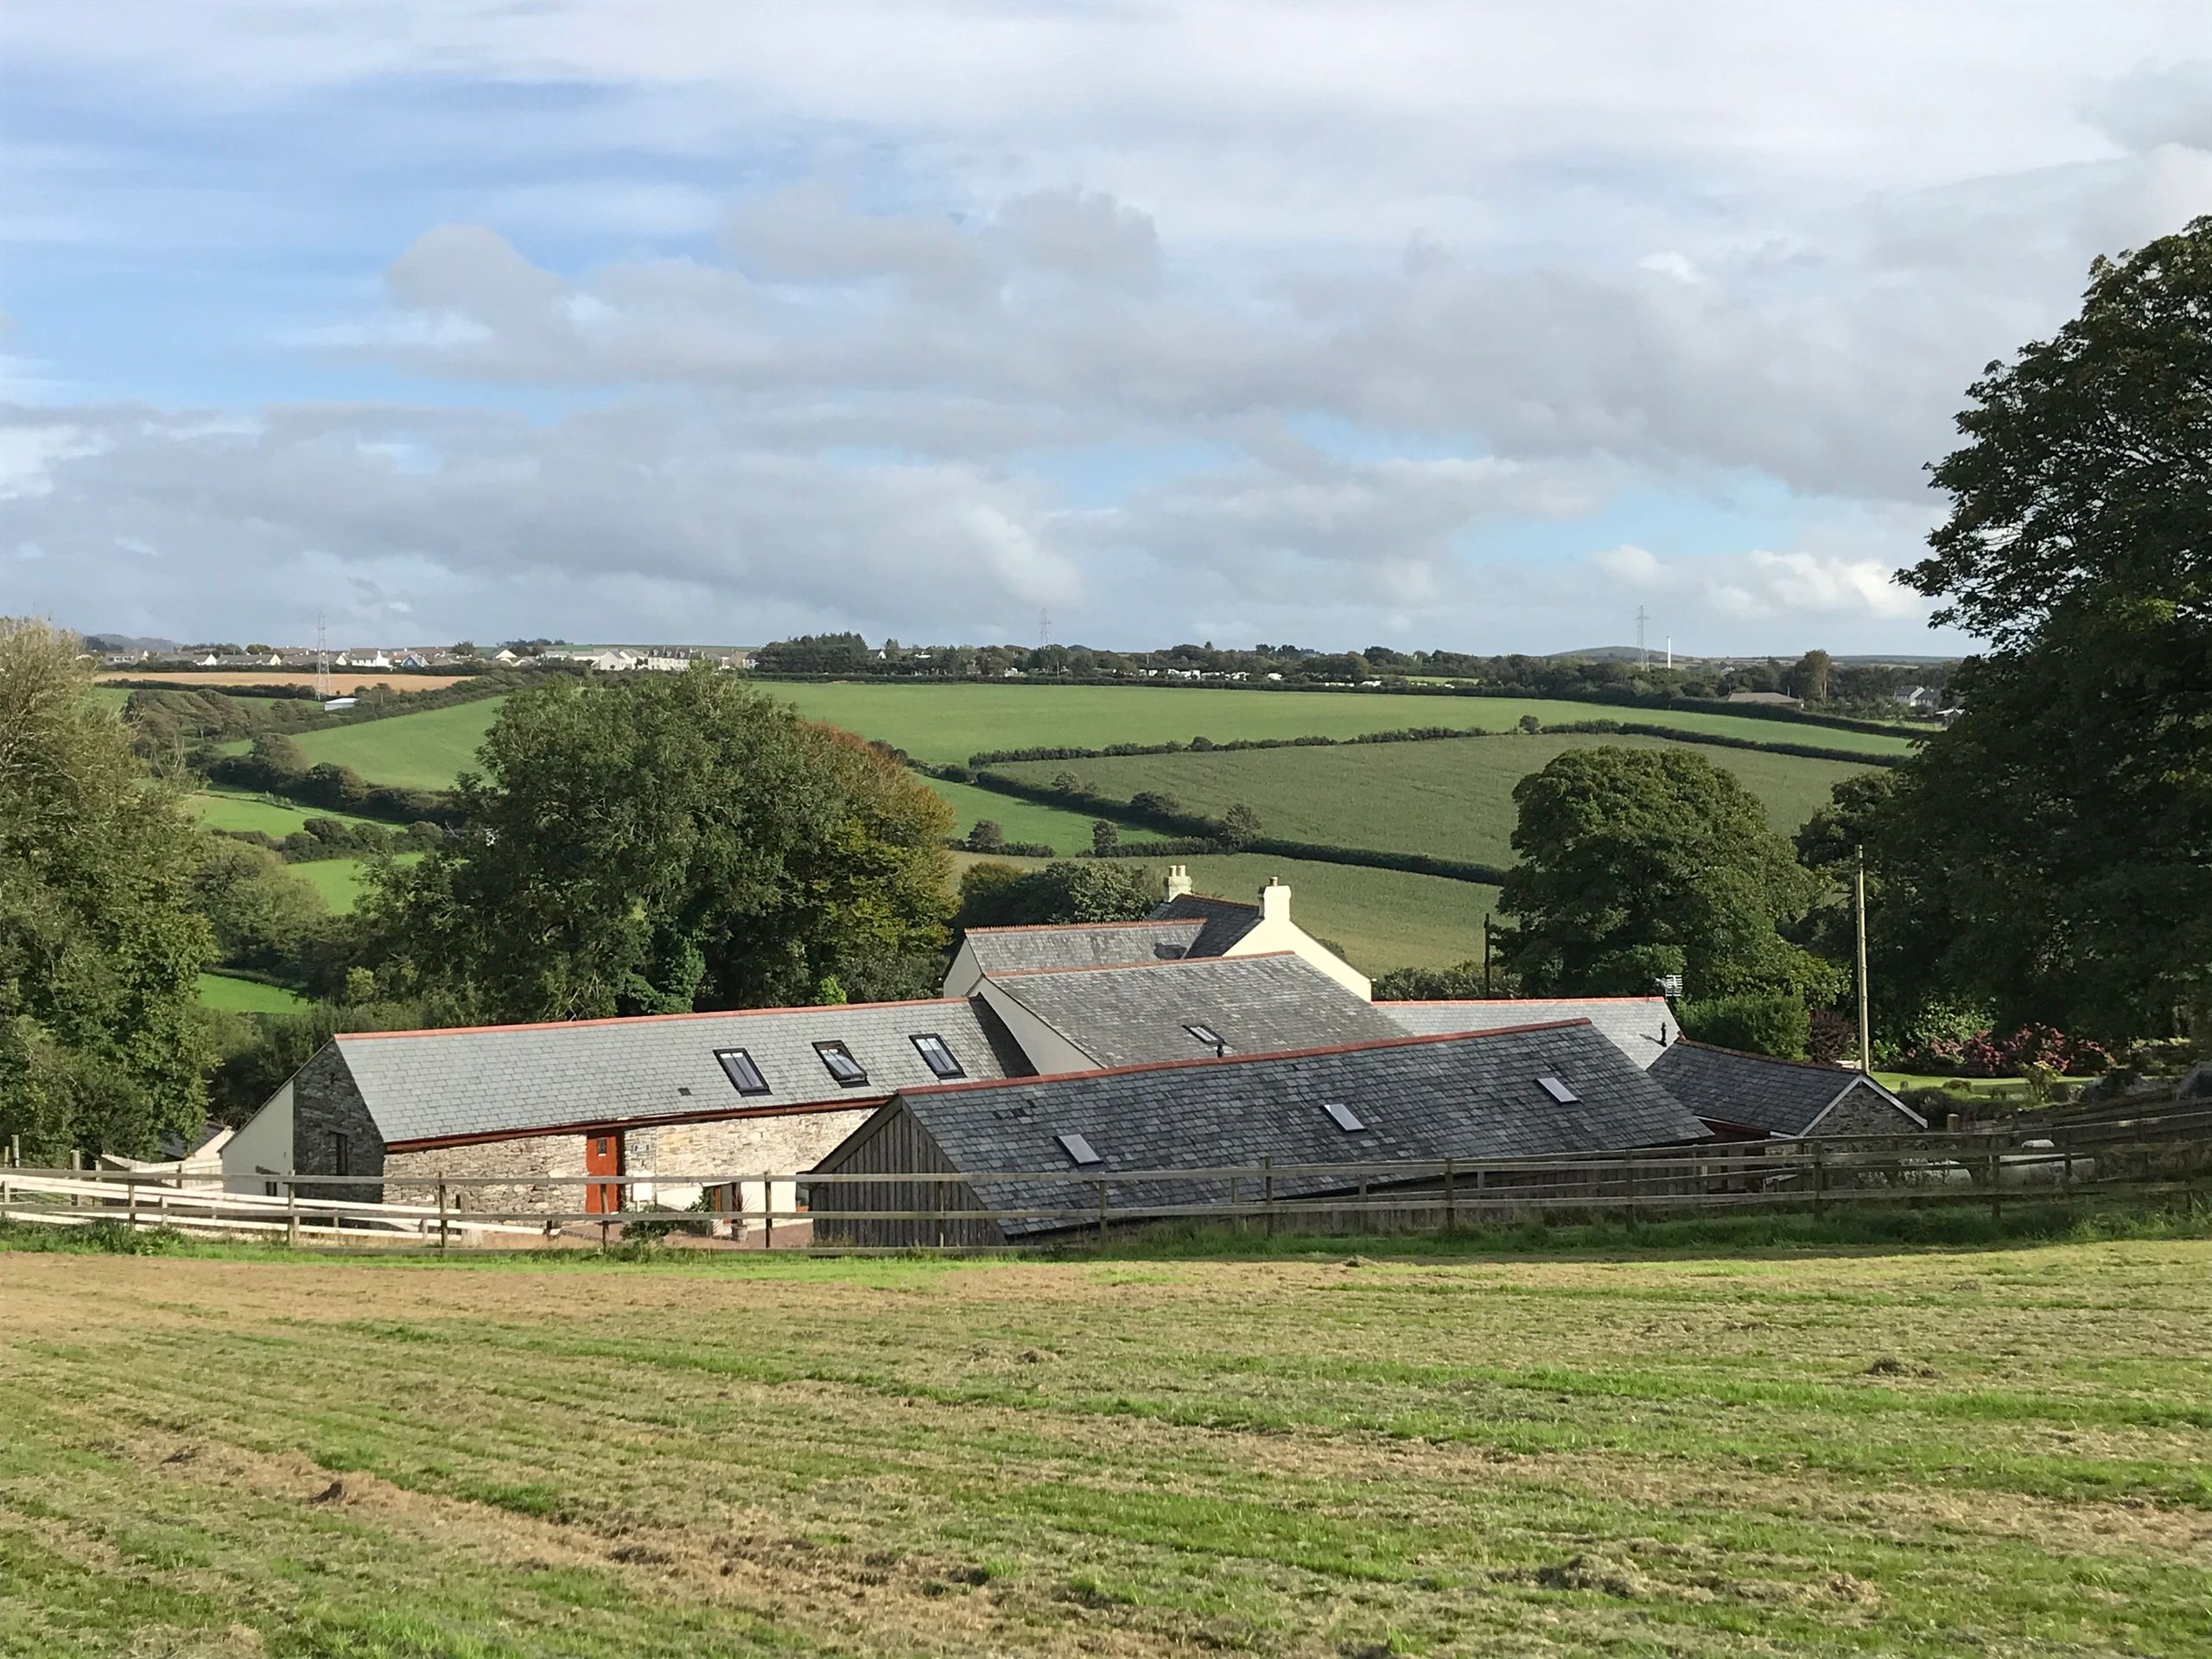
[[842, 1066], [1557, 1091], [937, 1054], [744, 1077], [1344, 1117], [1209, 1036], [1080, 1152]]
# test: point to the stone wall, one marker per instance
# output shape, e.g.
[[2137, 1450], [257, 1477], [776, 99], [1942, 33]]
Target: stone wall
[[526, 1162], [785, 1144], [1864, 1112], [325, 1105]]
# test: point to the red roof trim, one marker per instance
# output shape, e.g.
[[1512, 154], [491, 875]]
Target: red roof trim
[[1499, 1002], [642, 1019], [1081, 927], [1241, 1059], [610, 1125], [1123, 967]]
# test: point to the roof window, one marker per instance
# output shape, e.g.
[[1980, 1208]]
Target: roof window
[[1080, 1152], [1344, 1117], [937, 1054], [1209, 1037], [842, 1066], [744, 1076], [1559, 1092]]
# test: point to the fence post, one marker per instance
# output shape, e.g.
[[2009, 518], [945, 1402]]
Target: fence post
[[443, 1230], [2066, 1166], [1102, 1215], [1235, 1220], [7, 1194], [131, 1200], [1450, 1201], [291, 1215], [1996, 1192], [768, 1210], [1820, 1184], [1267, 1191]]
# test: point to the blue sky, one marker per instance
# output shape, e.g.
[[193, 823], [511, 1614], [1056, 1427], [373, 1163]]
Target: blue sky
[[1466, 325]]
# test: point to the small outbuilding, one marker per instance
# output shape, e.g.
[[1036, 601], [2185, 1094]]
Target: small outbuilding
[[1759, 1096]]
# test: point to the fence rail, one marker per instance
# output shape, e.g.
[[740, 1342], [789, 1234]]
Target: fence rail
[[2158, 1151]]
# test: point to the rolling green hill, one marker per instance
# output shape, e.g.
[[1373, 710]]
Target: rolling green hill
[[236, 810], [948, 723], [1450, 799], [1063, 831], [339, 881], [419, 751]]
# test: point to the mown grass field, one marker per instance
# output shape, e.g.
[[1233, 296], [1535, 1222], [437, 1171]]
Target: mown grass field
[[948, 723], [247, 995], [424, 750], [1063, 831], [1985, 1452], [1382, 918], [238, 810], [1452, 798], [339, 881]]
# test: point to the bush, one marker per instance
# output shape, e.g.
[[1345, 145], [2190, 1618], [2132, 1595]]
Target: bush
[[1753, 1024], [1833, 1038]]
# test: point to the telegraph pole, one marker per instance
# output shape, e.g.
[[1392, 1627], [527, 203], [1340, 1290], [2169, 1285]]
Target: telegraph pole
[[1866, 1039], [1485, 956]]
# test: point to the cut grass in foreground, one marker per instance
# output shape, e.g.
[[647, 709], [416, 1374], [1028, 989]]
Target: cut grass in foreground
[[1992, 1452]]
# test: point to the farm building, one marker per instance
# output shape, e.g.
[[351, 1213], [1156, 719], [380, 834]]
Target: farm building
[[1185, 924], [1757, 1096], [1526, 1092], [1640, 1026]]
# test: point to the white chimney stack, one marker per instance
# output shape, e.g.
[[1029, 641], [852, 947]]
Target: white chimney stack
[[1274, 902], [1179, 881]]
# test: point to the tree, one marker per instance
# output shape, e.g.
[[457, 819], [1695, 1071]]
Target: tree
[[663, 843], [988, 836], [2070, 806], [1000, 895], [263, 916], [1067, 782], [1240, 827], [1809, 679], [101, 1043], [1105, 837], [1635, 864]]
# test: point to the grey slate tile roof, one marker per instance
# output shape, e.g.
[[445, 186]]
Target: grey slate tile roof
[[1756, 1091], [428, 1084], [1640, 1026], [1466, 1097], [1133, 1016], [1224, 921], [1101, 945]]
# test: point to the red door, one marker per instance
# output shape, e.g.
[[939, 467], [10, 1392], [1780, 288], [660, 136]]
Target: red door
[[602, 1156]]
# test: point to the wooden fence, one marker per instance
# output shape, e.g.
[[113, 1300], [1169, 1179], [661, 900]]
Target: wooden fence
[[2159, 1152]]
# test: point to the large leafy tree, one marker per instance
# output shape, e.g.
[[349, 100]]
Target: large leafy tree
[[2066, 815], [101, 1044], [661, 844], [1638, 863]]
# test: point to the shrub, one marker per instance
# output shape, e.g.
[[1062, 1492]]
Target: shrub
[[1833, 1036], [1756, 1024]]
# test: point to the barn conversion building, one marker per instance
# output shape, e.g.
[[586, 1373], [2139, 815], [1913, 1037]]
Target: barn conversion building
[[1756, 1096], [1537, 1091], [1641, 1027]]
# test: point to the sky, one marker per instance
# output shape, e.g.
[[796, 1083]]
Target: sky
[[1474, 326]]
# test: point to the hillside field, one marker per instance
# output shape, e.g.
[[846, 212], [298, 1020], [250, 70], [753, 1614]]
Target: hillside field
[[1738, 1455], [220, 990], [947, 723], [339, 881], [240, 810], [1450, 799], [424, 750]]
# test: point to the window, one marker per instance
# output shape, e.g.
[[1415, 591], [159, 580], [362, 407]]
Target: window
[[1344, 1117], [842, 1066], [744, 1076], [1557, 1091], [341, 1155], [1207, 1035], [1079, 1151], [268, 1189], [937, 1054]]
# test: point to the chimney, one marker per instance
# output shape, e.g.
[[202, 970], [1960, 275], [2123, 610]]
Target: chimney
[[1274, 902], [1179, 881]]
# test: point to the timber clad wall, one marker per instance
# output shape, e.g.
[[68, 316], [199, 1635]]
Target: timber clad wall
[[325, 1105], [898, 1145]]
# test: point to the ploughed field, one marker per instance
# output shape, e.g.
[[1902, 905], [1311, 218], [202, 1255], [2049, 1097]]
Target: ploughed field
[[1996, 1452], [1450, 799]]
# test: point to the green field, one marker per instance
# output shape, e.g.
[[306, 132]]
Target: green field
[[419, 751], [1063, 832], [246, 995], [1998, 1453], [948, 723], [339, 881], [1382, 918], [1451, 799], [238, 810]]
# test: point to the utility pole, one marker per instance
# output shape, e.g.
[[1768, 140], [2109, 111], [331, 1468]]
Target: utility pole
[[1485, 956], [1865, 1038]]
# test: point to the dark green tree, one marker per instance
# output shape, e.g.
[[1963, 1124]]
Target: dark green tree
[[1093, 890], [1105, 837], [1240, 827], [661, 842], [2067, 815], [1635, 864], [102, 1046]]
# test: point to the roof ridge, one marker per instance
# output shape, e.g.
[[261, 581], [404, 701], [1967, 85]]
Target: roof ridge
[[1212, 899], [1821, 1066], [1118, 967], [1410, 1041], [1489, 1001], [644, 1019], [1076, 927]]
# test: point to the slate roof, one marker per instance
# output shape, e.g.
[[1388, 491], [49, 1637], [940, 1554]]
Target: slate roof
[[1421, 1098], [1756, 1091], [426, 1085], [1224, 921], [1134, 1015], [1095, 945], [1640, 1026]]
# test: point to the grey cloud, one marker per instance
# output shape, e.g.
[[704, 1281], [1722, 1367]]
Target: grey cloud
[[2166, 104]]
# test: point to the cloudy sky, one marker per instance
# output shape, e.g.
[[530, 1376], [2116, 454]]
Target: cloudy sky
[[1422, 323]]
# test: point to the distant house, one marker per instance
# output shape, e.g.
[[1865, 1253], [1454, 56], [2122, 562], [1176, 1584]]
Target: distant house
[[1926, 699], [1186, 924], [504, 658], [1558, 1089], [1766, 699], [362, 659], [1757, 1096], [1641, 1027]]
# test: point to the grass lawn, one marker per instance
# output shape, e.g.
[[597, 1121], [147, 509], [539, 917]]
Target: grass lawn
[[232, 808], [941, 723], [1985, 1452], [339, 881], [426, 750], [247, 995], [1451, 799]]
